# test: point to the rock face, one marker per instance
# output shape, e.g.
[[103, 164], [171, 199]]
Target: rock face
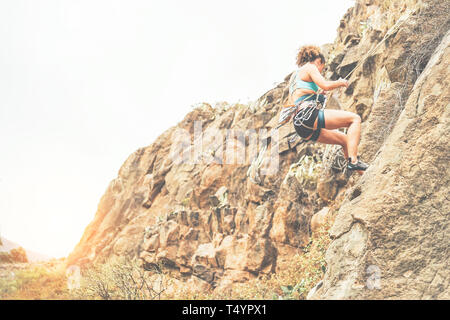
[[202, 208], [392, 233], [220, 198]]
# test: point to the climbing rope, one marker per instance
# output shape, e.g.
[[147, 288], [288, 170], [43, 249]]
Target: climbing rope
[[334, 158], [390, 32]]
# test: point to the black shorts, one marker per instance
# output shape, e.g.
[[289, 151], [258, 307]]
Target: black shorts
[[305, 117]]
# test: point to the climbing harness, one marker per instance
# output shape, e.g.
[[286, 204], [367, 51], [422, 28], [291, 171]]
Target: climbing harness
[[289, 110], [303, 114]]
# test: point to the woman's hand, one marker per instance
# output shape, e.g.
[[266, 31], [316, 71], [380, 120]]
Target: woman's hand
[[343, 83]]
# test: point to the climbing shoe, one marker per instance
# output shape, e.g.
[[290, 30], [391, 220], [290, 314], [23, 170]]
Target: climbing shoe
[[359, 165]]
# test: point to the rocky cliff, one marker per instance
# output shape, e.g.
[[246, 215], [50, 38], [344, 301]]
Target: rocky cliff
[[222, 198]]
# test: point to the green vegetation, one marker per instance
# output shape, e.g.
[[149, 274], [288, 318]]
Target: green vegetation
[[34, 282], [124, 279], [306, 171], [302, 273]]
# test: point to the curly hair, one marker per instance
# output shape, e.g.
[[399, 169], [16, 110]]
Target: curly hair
[[309, 54]]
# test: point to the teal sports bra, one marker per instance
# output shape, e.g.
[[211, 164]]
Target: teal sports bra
[[297, 83]]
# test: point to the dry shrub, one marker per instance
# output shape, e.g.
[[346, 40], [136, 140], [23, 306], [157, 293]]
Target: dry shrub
[[121, 278]]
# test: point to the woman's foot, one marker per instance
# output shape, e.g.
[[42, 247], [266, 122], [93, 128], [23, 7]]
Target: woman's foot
[[356, 166]]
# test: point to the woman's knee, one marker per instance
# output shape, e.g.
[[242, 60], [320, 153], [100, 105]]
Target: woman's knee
[[335, 119], [356, 118]]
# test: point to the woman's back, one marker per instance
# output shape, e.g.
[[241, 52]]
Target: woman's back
[[301, 83], [302, 80]]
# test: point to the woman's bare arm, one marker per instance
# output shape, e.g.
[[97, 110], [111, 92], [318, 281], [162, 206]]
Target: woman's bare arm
[[322, 82]]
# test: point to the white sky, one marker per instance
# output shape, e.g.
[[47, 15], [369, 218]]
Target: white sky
[[84, 83]]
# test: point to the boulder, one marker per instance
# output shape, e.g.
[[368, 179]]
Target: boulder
[[320, 219]]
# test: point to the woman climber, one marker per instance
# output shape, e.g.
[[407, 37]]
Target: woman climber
[[316, 124]]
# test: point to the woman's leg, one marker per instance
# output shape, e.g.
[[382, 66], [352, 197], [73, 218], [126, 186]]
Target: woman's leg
[[334, 137], [335, 119]]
